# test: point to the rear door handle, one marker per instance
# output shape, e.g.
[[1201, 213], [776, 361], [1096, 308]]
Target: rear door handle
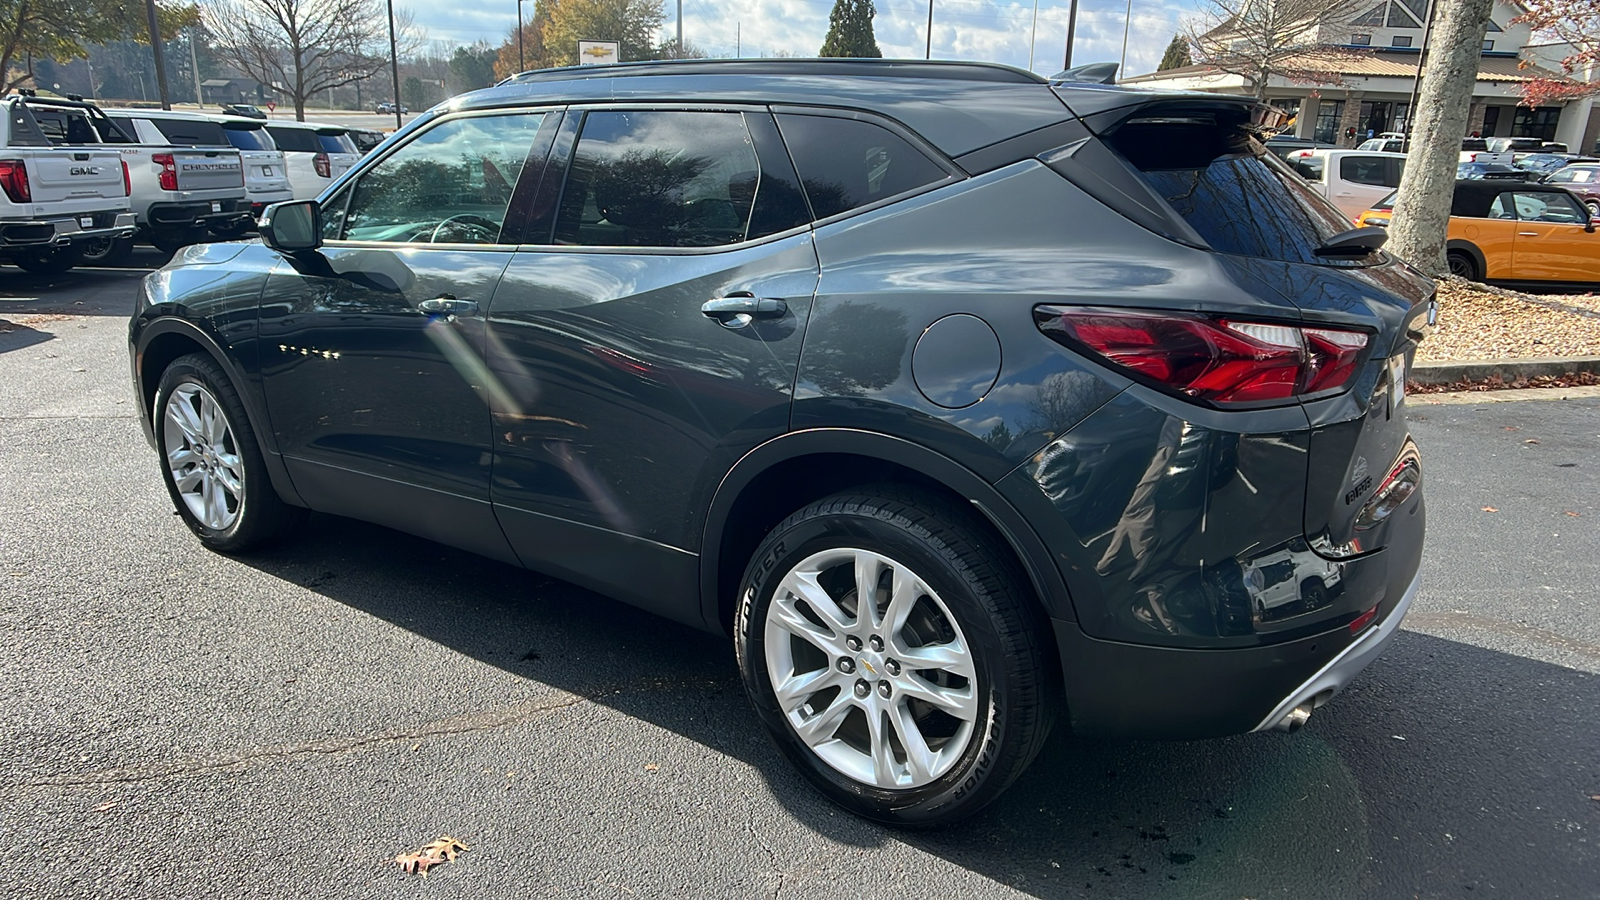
[[740, 309], [449, 305], [1528, 234]]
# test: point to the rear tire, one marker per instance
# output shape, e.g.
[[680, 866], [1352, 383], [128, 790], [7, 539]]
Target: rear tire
[[1594, 208], [1463, 265], [107, 251], [923, 707], [48, 260], [212, 463], [237, 229]]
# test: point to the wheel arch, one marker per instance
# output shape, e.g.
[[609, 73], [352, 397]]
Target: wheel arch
[[787, 472], [1460, 245], [161, 341]]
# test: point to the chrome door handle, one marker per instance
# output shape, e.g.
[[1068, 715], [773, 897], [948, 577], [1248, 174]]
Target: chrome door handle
[[447, 304], [739, 310], [1527, 234]]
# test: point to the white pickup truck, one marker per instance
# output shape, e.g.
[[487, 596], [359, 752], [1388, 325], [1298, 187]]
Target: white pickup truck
[[54, 200], [176, 193]]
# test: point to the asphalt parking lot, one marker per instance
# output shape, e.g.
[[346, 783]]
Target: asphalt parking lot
[[182, 724]]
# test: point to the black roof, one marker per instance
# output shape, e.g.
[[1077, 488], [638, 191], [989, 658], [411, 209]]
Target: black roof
[[958, 106], [1472, 197]]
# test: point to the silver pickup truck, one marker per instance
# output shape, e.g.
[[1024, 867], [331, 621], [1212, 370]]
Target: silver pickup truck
[[176, 193], [54, 200]]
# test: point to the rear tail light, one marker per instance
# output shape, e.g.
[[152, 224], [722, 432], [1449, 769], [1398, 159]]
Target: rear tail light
[[14, 181], [127, 180], [169, 170], [1363, 620], [322, 165], [1218, 359]]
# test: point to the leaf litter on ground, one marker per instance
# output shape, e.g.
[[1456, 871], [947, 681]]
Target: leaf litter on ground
[[443, 850]]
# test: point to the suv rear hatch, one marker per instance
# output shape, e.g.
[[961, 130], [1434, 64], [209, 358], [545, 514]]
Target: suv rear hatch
[[205, 171], [1193, 170]]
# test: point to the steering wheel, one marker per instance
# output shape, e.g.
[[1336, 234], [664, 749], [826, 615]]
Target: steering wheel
[[489, 227]]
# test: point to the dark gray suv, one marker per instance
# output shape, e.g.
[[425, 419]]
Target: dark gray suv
[[965, 401]]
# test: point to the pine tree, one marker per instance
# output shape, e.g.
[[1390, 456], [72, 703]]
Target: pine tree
[[850, 31], [1177, 55]]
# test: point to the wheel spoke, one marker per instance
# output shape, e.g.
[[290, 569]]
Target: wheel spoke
[[920, 759], [804, 586], [229, 480], [951, 657], [795, 690], [961, 703], [885, 770], [182, 458], [820, 727], [902, 599], [784, 615], [180, 409], [868, 568], [188, 480]]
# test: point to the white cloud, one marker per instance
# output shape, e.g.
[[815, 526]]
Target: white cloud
[[992, 30]]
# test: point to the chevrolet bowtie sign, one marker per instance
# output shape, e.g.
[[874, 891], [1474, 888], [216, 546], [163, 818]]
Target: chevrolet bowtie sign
[[597, 53]]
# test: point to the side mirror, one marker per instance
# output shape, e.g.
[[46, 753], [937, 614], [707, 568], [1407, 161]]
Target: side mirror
[[292, 227]]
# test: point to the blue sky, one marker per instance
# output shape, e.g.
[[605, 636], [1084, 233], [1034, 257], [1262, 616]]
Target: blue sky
[[996, 30]]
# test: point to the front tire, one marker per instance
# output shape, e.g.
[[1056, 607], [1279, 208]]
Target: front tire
[[211, 461], [48, 260], [107, 251], [920, 706]]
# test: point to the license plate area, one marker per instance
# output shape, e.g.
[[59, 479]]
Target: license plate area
[[216, 206]]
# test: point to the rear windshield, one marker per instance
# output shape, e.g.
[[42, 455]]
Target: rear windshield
[[300, 140], [246, 138], [336, 143], [191, 132], [1232, 192]]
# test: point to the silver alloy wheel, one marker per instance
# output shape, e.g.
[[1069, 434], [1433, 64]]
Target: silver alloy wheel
[[202, 456], [886, 691]]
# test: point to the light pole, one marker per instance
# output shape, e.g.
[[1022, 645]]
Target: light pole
[[929, 53], [155, 49], [1127, 20], [394, 65], [1033, 35], [1072, 28], [521, 65]]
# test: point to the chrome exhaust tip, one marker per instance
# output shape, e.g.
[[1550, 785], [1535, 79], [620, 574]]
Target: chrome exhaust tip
[[1296, 719]]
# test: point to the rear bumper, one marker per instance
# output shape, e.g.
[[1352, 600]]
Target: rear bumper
[[213, 212], [59, 230]]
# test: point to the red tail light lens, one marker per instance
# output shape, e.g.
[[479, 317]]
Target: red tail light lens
[[1217, 359], [323, 166], [169, 170], [127, 180], [14, 181]]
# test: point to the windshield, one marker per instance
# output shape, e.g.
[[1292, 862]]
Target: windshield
[[1387, 202]]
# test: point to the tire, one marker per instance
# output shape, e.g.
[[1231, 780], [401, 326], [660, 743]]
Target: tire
[[977, 710], [1594, 208], [1463, 265], [212, 463], [49, 260], [1313, 593], [238, 229], [171, 239], [106, 251]]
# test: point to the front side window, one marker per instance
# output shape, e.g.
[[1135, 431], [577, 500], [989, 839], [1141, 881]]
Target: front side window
[[847, 163], [451, 184], [1553, 208], [659, 178]]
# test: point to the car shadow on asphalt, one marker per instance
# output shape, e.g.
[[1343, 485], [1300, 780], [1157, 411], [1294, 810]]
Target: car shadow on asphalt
[[79, 292], [17, 335], [1446, 768]]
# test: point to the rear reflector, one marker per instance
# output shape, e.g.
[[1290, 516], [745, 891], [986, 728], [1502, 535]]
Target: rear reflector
[[1363, 620], [14, 181], [1218, 359]]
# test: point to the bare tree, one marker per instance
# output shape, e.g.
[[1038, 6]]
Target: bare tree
[[1257, 39], [1575, 23], [1422, 208], [306, 47]]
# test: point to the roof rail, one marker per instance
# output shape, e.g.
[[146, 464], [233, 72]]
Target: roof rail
[[1093, 73], [954, 70]]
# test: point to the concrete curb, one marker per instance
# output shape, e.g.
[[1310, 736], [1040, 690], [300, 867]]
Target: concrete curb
[[1456, 371]]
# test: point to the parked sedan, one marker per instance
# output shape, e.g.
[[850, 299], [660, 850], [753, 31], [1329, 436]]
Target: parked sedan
[[1542, 165], [959, 414], [1515, 234], [387, 107], [1582, 179]]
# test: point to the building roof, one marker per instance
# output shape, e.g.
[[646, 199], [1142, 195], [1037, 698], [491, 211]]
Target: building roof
[[1376, 64]]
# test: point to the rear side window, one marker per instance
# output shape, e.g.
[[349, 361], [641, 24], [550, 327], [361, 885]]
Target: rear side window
[[246, 138], [298, 140], [847, 163], [660, 179], [191, 132], [1238, 197], [336, 143], [1373, 170], [64, 126]]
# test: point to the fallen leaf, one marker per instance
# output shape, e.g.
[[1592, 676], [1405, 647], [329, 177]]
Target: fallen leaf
[[651, 767], [447, 847], [1595, 797], [1572, 514], [1491, 509], [106, 805], [1508, 428], [442, 850], [1531, 441]]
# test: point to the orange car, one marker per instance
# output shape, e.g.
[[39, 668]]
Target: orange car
[[1515, 233]]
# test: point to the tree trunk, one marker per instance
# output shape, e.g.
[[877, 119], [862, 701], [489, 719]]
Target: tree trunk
[[1422, 209]]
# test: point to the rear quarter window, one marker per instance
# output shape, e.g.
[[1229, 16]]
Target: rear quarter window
[[1238, 197], [243, 138], [298, 140], [846, 164], [336, 143]]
